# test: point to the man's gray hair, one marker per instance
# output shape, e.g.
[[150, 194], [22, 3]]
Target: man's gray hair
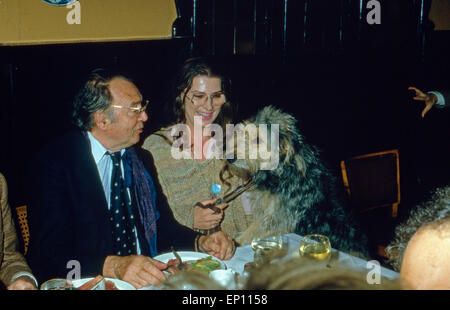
[[432, 211], [93, 96]]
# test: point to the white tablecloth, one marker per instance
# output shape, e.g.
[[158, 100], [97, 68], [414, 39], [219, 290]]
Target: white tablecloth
[[244, 254]]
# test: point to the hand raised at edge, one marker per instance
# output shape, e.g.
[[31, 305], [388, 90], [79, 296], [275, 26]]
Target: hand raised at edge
[[429, 99]]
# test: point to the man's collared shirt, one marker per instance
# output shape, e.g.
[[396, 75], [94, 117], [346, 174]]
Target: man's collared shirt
[[104, 166]]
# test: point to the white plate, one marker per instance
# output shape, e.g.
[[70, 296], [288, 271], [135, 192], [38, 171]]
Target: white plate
[[121, 285], [187, 256]]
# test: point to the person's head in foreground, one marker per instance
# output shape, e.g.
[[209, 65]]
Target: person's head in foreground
[[302, 274], [421, 248], [426, 262]]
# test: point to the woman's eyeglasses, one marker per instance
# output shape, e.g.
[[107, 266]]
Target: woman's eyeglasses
[[199, 98]]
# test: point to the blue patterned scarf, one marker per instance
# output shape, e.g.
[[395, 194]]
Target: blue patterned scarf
[[144, 193]]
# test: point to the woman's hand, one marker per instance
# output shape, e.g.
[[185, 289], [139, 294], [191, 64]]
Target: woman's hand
[[218, 244], [205, 218]]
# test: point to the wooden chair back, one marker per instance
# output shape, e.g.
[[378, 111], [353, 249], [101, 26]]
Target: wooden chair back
[[23, 224], [373, 180]]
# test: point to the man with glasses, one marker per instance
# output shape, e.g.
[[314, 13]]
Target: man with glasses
[[93, 200]]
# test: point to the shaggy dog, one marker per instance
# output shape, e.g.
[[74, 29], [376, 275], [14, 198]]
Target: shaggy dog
[[299, 195]]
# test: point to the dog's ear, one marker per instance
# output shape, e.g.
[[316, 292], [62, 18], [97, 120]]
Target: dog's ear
[[301, 165], [289, 155], [287, 152]]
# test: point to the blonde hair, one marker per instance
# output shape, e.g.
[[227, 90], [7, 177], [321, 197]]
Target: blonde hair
[[191, 280], [301, 274]]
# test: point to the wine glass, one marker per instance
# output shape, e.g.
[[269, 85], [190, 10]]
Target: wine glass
[[269, 248], [315, 247]]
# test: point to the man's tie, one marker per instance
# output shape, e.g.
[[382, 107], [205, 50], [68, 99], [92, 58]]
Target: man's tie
[[121, 212]]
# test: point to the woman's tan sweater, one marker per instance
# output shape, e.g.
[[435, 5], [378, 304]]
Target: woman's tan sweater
[[188, 181]]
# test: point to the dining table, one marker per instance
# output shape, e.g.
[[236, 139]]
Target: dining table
[[245, 254]]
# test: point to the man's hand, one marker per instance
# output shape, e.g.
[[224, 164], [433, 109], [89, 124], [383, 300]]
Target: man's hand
[[218, 244], [23, 283], [429, 99], [205, 218], [138, 270]]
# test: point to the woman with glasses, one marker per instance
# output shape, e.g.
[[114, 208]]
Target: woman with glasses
[[201, 101]]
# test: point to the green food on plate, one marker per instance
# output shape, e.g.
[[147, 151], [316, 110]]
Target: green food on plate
[[207, 264]]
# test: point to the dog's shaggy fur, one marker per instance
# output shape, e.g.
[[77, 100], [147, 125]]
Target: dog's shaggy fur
[[299, 195]]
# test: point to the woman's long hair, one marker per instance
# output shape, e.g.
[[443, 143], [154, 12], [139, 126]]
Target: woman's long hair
[[191, 68]]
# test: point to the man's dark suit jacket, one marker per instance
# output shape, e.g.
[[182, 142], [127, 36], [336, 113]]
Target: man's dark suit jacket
[[68, 214]]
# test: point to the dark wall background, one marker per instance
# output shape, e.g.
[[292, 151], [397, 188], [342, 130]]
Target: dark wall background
[[344, 80]]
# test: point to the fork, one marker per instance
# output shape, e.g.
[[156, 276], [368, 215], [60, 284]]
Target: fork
[[181, 265]]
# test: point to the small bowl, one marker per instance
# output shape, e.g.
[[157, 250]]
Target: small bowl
[[57, 284], [225, 278]]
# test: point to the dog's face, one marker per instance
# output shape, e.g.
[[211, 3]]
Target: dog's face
[[263, 142], [253, 149]]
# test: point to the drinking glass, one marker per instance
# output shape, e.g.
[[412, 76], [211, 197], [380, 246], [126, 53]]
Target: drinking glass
[[315, 247], [269, 248]]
